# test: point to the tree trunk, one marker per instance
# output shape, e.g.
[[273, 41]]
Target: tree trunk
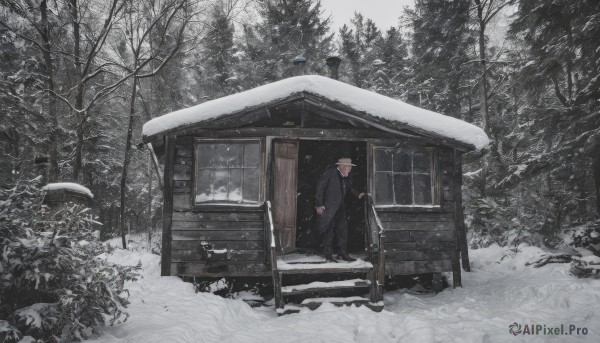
[[483, 96], [127, 157], [53, 170], [80, 91]]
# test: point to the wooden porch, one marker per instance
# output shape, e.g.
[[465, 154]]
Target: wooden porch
[[304, 279]]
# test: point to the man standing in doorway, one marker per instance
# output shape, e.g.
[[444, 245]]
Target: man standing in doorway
[[331, 210]]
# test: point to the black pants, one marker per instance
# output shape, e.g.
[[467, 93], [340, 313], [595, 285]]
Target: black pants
[[338, 227]]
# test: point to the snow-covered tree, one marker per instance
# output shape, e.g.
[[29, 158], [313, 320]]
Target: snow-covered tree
[[288, 28], [440, 44]]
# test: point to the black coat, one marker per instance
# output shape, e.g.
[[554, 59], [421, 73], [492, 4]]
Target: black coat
[[330, 194]]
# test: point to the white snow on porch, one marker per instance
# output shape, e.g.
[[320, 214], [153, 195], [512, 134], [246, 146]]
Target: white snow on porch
[[356, 98]]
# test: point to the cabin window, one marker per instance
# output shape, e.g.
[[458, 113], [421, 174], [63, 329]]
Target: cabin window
[[228, 172], [404, 177]]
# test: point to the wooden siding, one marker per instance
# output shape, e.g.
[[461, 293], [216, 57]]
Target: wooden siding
[[215, 242], [423, 240], [224, 243], [418, 240]]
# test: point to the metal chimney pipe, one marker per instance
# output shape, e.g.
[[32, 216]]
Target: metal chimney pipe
[[299, 64], [333, 64]]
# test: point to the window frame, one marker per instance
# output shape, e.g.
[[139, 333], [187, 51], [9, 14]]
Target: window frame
[[222, 203], [435, 175]]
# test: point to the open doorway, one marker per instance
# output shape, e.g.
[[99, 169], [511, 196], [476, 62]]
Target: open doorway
[[314, 157]]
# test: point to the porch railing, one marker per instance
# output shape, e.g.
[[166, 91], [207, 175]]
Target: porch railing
[[273, 255], [375, 235]]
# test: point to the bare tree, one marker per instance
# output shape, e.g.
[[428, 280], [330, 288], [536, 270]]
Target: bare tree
[[485, 11], [163, 22]]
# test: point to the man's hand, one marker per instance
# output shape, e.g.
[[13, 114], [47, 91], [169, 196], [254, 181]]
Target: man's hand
[[361, 195], [320, 210]]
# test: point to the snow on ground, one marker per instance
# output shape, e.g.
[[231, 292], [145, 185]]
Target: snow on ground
[[499, 291]]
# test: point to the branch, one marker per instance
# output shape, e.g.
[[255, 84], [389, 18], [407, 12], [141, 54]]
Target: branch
[[544, 260], [170, 55], [559, 95], [31, 40], [591, 91], [103, 34]]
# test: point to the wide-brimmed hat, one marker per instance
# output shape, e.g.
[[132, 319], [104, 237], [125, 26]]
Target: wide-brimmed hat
[[345, 162]]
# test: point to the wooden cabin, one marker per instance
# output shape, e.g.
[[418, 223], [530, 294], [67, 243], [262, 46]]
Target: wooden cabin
[[240, 174]]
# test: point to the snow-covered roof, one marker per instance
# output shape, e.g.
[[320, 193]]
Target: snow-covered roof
[[70, 186], [358, 99]]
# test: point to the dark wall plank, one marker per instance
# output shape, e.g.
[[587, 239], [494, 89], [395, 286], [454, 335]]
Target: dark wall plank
[[418, 226], [220, 235], [183, 160], [229, 255], [182, 172], [398, 236], [184, 151], [218, 245], [416, 217], [429, 236], [416, 246], [182, 202], [220, 269], [218, 216], [183, 186], [417, 267], [418, 236], [226, 226], [418, 255]]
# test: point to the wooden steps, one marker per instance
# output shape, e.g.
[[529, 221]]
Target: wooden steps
[[340, 284], [358, 266], [320, 287], [314, 303], [304, 279]]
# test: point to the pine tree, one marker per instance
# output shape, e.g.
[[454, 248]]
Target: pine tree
[[563, 88], [392, 72], [360, 46], [289, 28], [441, 40], [219, 76]]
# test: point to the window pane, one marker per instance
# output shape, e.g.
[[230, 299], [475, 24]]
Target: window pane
[[402, 162], [383, 160], [235, 185], [220, 183], [403, 189], [422, 162], [203, 185], [383, 189], [422, 189], [228, 172], [235, 155], [251, 190], [221, 155], [205, 156], [252, 155]]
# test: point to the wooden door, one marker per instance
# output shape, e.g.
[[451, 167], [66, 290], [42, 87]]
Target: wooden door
[[285, 190]]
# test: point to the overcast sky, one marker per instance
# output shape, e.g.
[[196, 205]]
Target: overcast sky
[[384, 13]]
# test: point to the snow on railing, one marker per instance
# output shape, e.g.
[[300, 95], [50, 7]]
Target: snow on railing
[[271, 227]]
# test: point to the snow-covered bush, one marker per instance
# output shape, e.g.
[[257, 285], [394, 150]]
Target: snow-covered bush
[[8, 333], [55, 260]]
